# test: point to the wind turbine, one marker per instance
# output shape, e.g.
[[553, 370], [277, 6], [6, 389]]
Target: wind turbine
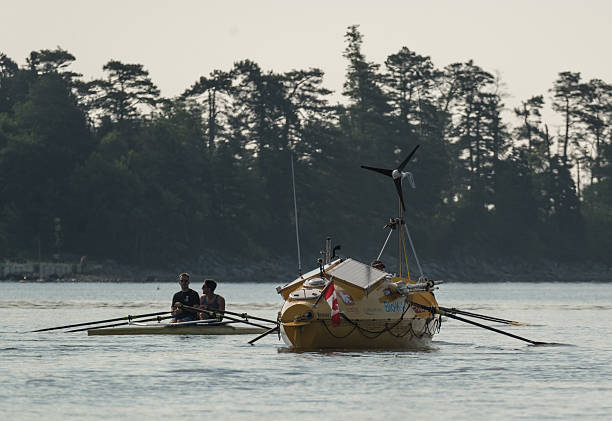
[[397, 175]]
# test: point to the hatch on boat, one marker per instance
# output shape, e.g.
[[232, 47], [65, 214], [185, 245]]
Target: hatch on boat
[[315, 283], [304, 294]]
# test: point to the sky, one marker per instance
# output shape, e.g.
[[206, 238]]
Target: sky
[[526, 42]]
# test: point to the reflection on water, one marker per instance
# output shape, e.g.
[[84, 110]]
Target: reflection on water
[[467, 374], [342, 352]]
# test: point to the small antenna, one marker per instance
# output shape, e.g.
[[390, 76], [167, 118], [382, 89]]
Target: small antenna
[[297, 231]]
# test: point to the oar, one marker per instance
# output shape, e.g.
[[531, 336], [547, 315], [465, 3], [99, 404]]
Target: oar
[[244, 316], [482, 316], [452, 316], [267, 332], [214, 314], [158, 319], [128, 317]]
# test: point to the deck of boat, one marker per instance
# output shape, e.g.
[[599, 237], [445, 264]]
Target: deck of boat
[[169, 329]]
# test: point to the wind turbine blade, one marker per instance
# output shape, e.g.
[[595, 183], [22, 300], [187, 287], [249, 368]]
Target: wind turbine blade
[[383, 171], [398, 187], [405, 161]]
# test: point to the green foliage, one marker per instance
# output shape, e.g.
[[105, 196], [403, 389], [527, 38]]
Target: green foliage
[[125, 93], [108, 168]]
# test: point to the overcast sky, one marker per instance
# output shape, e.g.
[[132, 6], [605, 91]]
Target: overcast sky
[[527, 42]]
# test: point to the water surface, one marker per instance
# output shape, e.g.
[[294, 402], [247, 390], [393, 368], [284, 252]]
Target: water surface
[[468, 374]]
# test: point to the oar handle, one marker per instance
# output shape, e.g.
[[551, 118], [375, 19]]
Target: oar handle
[[243, 315], [214, 314]]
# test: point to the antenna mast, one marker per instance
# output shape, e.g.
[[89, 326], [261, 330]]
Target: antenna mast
[[297, 232]]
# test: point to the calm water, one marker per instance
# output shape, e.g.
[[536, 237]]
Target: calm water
[[470, 374]]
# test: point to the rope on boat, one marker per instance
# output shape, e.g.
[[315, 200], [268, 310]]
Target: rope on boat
[[338, 336], [369, 334], [366, 332]]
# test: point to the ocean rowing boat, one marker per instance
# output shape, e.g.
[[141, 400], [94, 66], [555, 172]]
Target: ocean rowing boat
[[222, 328], [374, 309], [352, 305]]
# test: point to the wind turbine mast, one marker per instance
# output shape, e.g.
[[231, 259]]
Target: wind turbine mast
[[398, 176]]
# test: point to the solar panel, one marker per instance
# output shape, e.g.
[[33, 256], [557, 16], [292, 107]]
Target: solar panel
[[357, 273]]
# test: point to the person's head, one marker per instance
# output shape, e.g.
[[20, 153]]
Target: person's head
[[184, 281], [209, 286], [377, 264]]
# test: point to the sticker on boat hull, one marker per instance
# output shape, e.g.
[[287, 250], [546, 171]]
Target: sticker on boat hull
[[346, 298], [395, 306]]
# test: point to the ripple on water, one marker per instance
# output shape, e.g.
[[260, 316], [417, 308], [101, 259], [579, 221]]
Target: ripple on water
[[481, 374], [205, 370], [41, 381]]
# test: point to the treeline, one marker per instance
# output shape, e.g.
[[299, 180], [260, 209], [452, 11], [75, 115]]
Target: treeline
[[109, 168]]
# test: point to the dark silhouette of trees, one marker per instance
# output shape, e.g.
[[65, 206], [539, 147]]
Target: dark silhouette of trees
[[126, 92], [566, 94], [109, 168]]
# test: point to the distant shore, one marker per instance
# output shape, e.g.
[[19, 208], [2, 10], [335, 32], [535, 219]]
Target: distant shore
[[232, 269]]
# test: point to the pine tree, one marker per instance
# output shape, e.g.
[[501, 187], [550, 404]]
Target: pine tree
[[126, 92], [368, 105], [566, 95]]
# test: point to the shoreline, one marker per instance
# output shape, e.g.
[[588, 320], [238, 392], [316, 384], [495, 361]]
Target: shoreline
[[283, 271]]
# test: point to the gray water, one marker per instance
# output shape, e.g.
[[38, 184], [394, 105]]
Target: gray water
[[468, 374]]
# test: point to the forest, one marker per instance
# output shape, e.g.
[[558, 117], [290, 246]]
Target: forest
[[111, 169]]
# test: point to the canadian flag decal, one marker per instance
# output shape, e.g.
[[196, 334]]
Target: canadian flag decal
[[329, 293]]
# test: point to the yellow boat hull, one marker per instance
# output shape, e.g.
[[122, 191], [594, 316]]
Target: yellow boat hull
[[363, 334], [379, 311]]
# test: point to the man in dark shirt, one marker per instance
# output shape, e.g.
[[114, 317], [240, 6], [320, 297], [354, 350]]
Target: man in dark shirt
[[186, 296]]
